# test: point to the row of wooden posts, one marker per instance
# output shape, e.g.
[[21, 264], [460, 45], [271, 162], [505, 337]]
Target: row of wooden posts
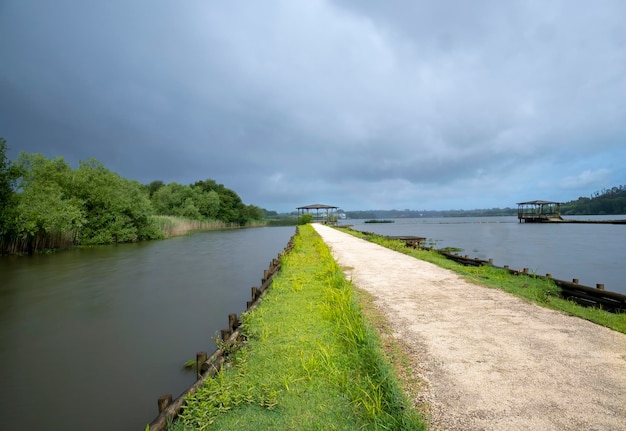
[[207, 366], [583, 295]]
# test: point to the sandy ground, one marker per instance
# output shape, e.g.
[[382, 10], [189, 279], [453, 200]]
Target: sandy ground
[[491, 361]]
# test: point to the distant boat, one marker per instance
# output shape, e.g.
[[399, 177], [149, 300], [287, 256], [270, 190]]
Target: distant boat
[[379, 221]]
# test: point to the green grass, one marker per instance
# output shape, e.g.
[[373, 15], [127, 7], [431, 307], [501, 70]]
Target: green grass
[[533, 289], [310, 362]]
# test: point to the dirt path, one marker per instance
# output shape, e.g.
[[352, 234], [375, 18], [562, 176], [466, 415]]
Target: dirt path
[[492, 361]]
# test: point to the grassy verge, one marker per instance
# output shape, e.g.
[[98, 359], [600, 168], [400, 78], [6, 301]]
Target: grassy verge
[[538, 290], [311, 362]]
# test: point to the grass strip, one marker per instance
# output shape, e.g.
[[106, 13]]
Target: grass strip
[[310, 362], [540, 291]]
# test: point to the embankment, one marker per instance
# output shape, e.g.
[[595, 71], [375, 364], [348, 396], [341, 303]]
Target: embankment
[[308, 359]]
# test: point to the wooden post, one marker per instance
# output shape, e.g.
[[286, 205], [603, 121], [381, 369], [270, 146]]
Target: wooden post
[[490, 261], [600, 286], [575, 280], [255, 293], [226, 333], [525, 270], [233, 321], [200, 358], [164, 401]]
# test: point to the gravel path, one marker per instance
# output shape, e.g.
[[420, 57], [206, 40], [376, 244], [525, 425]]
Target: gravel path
[[491, 361]]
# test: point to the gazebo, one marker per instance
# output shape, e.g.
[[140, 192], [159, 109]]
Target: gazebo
[[538, 211], [326, 218]]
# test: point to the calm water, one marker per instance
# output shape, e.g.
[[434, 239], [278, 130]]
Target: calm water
[[591, 253], [90, 338]]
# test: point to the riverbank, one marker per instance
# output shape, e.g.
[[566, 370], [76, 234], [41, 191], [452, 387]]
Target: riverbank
[[310, 359]]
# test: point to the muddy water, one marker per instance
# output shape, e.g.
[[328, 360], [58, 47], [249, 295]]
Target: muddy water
[[90, 338]]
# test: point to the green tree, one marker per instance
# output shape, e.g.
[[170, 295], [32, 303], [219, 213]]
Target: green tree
[[8, 174], [606, 201], [186, 201], [116, 209], [189, 209], [255, 213], [208, 203], [154, 186], [176, 199], [231, 208], [305, 218], [46, 215], [167, 198]]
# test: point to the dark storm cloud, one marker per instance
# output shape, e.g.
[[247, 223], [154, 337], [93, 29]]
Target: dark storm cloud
[[361, 104]]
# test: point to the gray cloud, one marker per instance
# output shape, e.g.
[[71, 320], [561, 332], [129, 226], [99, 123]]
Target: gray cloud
[[362, 104]]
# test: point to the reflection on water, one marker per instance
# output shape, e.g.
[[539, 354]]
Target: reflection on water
[[593, 253], [90, 338]]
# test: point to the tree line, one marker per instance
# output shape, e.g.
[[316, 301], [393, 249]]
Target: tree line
[[45, 204], [604, 202]]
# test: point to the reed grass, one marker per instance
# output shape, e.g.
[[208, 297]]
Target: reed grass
[[178, 226], [40, 242], [310, 362]]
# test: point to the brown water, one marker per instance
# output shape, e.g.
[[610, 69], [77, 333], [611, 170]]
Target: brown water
[[90, 338]]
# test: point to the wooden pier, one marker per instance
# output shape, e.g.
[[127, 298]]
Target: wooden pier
[[539, 212], [550, 212]]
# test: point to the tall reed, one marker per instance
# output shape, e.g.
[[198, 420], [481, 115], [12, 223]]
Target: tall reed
[[177, 226], [42, 240]]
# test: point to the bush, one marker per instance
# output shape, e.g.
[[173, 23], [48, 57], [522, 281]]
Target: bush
[[305, 218]]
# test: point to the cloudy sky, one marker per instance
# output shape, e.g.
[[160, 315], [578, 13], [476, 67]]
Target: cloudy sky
[[361, 104]]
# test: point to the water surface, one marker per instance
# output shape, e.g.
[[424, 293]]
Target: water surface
[[90, 338]]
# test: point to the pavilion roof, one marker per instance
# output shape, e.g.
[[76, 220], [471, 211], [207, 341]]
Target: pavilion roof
[[316, 207], [538, 203]]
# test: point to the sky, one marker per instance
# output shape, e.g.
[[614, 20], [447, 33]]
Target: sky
[[360, 104]]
